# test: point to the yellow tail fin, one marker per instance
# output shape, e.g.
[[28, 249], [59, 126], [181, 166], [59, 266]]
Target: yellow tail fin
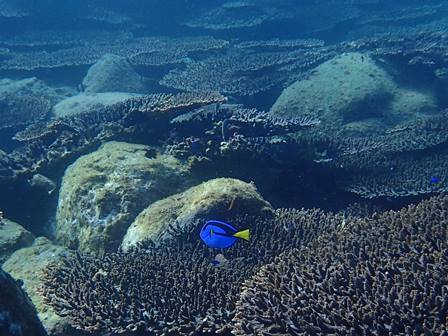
[[242, 234]]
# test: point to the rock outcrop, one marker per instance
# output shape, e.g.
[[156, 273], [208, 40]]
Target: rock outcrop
[[13, 237], [220, 198], [113, 73], [27, 264], [103, 192], [18, 316], [340, 88]]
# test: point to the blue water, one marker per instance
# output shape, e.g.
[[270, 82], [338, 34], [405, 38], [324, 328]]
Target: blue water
[[337, 105]]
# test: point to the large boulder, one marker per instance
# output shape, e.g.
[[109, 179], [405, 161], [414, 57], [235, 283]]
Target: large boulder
[[27, 265], [348, 88], [13, 237], [103, 192], [83, 102], [215, 199], [113, 74], [18, 316]]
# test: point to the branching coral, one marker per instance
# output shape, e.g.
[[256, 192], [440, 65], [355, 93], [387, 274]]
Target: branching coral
[[88, 50], [385, 275], [425, 48], [64, 138], [409, 175], [397, 163], [216, 131], [245, 72], [173, 288], [19, 111]]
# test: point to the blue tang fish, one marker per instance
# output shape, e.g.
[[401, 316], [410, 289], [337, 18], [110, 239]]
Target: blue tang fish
[[221, 235], [434, 179]]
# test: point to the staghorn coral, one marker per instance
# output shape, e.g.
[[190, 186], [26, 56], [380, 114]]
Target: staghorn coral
[[424, 48], [246, 71], [89, 51], [173, 288], [384, 275], [217, 131], [280, 44], [237, 15], [59, 39], [63, 139], [20, 111], [400, 162], [403, 19], [409, 175]]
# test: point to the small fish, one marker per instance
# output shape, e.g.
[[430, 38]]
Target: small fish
[[219, 260], [434, 179], [217, 234]]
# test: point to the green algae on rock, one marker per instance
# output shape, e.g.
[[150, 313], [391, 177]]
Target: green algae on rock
[[348, 88], [13, 237], [27, 264], [341, 85], [218, 199], [102, 193]]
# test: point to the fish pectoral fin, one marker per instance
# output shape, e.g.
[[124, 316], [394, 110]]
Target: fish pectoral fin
[[244, 234]]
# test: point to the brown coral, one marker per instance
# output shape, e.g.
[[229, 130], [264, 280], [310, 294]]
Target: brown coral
[[173, 288], [385, 275]]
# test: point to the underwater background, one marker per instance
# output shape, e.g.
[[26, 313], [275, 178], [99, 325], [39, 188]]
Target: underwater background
[[252, 167]]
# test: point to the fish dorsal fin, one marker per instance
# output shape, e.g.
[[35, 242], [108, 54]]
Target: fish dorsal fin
[[226, 227]]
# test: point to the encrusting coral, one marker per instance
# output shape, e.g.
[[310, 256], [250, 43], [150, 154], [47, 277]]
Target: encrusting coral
[[384, 275], [173, 288]]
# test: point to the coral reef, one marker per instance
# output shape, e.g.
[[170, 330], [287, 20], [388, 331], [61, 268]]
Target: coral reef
[[224, 130], [238, 14], [217, 198], [84, 103], [66, 138], [89, 50], [27, 264], [19, 112], [243, 72], [102, 193], [173, 287], [381, 275], [17, 314], [409, 175]]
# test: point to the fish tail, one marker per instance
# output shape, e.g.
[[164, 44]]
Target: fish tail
[[244, 234]]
